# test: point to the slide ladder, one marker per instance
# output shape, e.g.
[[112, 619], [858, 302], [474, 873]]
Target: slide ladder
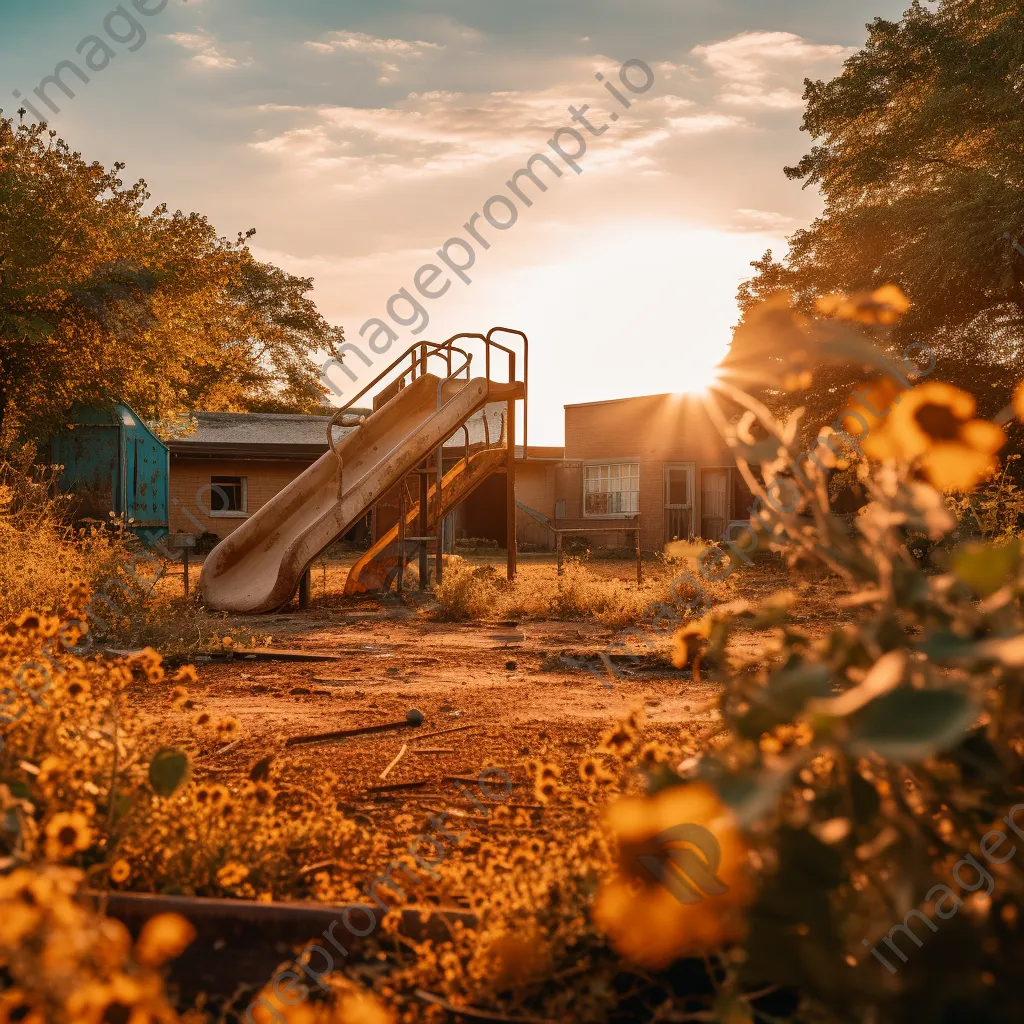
[[377, 567]]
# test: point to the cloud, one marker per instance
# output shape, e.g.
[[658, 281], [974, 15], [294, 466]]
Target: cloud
[[360, 42], [429, 135], [762, 222], [759, 69], [385, 53], [204, 46]]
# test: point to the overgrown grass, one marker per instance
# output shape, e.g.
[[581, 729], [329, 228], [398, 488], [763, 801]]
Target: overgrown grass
[[43, 555], [482, 592]]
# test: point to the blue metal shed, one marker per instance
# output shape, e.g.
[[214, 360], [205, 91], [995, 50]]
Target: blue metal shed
[[113, 462]]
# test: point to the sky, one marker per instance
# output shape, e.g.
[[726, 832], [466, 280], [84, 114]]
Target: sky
[[357, 138]]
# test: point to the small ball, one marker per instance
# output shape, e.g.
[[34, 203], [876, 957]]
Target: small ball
[[414, 717]]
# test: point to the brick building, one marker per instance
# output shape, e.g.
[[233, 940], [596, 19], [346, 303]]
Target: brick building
[[658, 458], [233, 463]]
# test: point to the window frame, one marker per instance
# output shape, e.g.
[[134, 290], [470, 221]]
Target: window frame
[[243, 512], [618, 464]]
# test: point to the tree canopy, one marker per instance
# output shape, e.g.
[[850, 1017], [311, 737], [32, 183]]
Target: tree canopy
[[101, 300], [919, 154]]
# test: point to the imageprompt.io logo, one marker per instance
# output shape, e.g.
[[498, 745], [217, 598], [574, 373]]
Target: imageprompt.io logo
[[688, 866]]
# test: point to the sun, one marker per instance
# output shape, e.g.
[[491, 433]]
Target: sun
[[701, 379]]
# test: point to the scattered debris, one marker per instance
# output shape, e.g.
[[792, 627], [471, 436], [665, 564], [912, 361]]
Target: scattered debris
[[413, 718], [395, 786], [398, 757]]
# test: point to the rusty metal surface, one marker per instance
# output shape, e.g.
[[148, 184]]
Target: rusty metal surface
[[374, 568]]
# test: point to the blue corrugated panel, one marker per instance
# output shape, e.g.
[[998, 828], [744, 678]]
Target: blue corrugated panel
[[114, 463]]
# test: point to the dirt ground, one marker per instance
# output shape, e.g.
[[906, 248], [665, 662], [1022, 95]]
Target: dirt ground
[[504, 686]]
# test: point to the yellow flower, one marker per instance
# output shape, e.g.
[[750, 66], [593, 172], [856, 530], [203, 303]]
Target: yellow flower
[[232, 874], [163, 938], [270, 1008], [934, 425], [78, 690], [123, 999], [652, 753], [873, 404], [66, 834], [15, 1005], [27, 622], [179, 696], [688, 644], [594, 773], [186, 676], [363, 1008], [264, 795], [682, 879], [516, 959], [150, 662], [545, 790], [884, 306], [619, 740], [120, 870], [227, 727], [17, 920]]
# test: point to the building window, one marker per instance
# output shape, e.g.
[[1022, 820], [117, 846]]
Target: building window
[[228, 496], [611, 490], [560, 508]]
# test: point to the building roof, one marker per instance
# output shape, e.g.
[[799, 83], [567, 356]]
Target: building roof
[[295, 436], [631, 398], [263, 434]]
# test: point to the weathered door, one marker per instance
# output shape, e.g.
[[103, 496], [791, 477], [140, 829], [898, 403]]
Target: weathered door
[[713, 511], [678, 501]]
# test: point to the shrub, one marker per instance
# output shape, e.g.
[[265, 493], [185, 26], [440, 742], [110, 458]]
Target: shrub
[[465, 592]]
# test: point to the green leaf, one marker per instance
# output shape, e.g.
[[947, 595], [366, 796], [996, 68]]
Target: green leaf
[[753, 797], [911, 725], [167, 771], [985, 568], [946, 646], [784, 697]]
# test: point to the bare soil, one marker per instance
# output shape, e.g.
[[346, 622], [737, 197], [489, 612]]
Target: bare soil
[[506, 684]]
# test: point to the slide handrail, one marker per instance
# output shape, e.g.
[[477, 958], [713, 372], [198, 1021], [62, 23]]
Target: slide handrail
[[421, 352], [419, 347]]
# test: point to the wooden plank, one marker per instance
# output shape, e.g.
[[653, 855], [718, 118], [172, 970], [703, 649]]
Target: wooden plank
[[239, 942]]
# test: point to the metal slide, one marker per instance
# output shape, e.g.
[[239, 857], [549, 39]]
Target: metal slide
[[376, 568], [257, 568]]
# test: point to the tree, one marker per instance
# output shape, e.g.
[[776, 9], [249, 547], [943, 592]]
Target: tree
[[102, 301], [919, 153]]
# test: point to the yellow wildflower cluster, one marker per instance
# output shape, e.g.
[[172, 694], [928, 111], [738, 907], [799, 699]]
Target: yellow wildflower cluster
[[68, 965]]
